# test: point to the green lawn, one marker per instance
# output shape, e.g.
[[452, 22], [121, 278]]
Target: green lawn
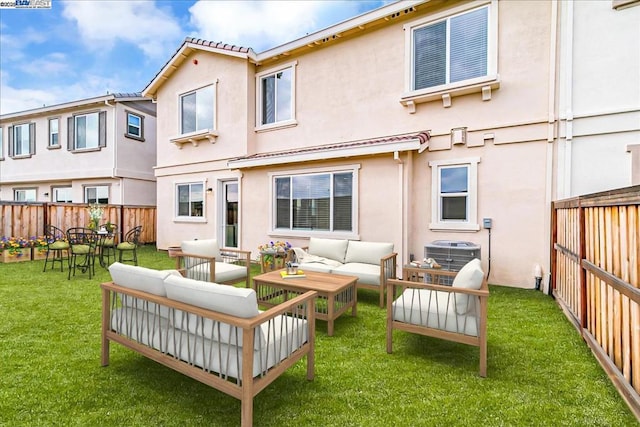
[[540, 372]]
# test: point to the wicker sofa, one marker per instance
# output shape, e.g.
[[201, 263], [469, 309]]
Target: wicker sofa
[[212, 333], [372, 262]]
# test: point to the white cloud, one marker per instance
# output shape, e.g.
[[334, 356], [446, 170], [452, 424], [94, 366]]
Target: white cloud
[[102, 23], [53, 64], [262, 25]]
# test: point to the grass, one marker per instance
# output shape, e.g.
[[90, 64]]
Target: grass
[[540, 372]]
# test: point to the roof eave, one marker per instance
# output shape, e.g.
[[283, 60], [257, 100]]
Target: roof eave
[[330, 153]]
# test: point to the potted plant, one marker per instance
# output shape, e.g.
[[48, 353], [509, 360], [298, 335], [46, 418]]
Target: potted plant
[[273, 254], [38, 247], [15, 249]]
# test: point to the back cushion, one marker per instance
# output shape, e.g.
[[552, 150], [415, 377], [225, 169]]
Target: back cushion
[[367, 252], [470, 277], [328, 248], [206, 247], [141, 278], [239, 302]]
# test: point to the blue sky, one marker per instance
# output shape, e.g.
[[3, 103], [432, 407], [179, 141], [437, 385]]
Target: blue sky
[[84, 48]]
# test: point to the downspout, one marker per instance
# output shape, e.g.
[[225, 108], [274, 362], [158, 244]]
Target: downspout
[[403, 214], [115, 147], [567, 63], [552, 135]]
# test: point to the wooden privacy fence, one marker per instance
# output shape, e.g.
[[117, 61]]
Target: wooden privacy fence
[[25, 219], [596, 279]]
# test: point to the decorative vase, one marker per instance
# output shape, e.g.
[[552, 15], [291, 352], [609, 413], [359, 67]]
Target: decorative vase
[[16, 255]]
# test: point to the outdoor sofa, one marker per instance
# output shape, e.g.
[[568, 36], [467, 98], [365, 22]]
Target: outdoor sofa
[[372, 262], [212, 333]]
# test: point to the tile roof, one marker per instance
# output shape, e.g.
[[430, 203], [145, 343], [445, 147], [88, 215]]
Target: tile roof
[[423, 137]]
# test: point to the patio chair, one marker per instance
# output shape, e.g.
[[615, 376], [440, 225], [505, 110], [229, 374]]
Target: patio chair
[[129, 245], [82, 248], [455, 313], [56, 245], [107, 244]]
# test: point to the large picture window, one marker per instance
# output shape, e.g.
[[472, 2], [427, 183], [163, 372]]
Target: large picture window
[[276, 97], [190, 199], [454, 194], [197, 110], [315, 202], [87, 131]]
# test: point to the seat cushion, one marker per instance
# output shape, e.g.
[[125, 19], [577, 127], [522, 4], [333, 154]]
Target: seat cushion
[[126, 246], [80, 249], [204, 247], [434, 309], [225, 272], [334, 249], [316, 266], [367, 274], [59, 245], [469, 277], [367, 252]]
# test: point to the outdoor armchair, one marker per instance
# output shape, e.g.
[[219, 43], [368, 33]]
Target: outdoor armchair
[[82, 248], [205, 260], [129, 245], [455, 313]]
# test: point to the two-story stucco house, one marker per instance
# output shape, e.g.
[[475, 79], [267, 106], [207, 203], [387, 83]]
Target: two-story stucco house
[[97, 150], [412, 123]]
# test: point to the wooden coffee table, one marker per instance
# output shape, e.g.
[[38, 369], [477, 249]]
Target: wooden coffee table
[[336, 293]]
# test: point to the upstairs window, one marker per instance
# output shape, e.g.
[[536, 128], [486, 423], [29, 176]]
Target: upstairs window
[[134, 125], [97, 194], [276, 97], [197, 110], [1, 145], [451, 50], [87, 131], [22, 140], [54, 133], [190, 200], [315, 202]]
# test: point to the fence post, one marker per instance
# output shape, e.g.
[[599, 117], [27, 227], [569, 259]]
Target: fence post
[[582, 277]]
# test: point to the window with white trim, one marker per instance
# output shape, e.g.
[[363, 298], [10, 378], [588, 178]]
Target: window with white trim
[[62, 195], [454, 194], [87, 131], [96, 194], [197, 110], [22, 140], [1, 145], [452, 53], [54, 125], [323, 201], [25, 195], [276, 97], [135, 126], [190, 200]]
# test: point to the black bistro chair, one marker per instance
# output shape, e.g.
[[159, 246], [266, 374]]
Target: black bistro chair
[[82, 244], [107, 243], [56, 244], [129, 245]]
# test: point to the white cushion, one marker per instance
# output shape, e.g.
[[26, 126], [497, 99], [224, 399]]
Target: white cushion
[[225, 272], [141, 278], [334, 249], [367, 252], [367, 274], [469, 277], [434, 309], [318, 267], [239, 302], [205, 247]]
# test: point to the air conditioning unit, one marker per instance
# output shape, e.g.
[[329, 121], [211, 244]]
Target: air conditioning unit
[[452, 255]]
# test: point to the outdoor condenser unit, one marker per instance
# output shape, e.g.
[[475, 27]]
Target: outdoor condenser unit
[[452, 255]]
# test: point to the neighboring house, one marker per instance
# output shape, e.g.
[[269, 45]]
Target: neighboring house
[[598, 96], [407, 124], [97, 150]]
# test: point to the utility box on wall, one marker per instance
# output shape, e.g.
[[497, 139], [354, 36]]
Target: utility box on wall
[[452, 255]]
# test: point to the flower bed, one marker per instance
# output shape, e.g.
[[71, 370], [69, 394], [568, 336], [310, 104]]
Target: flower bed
[[15, 249]]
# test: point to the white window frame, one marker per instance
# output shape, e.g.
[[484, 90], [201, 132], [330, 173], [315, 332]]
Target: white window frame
[[25, 191], [75, 132], [214, 123], [353, 234], [56, 190], [444, 92], [50, 143], [1, 143], [30, 143], [185, 218], [471, 224], [97, 188], [259, 95], [140, 127]]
